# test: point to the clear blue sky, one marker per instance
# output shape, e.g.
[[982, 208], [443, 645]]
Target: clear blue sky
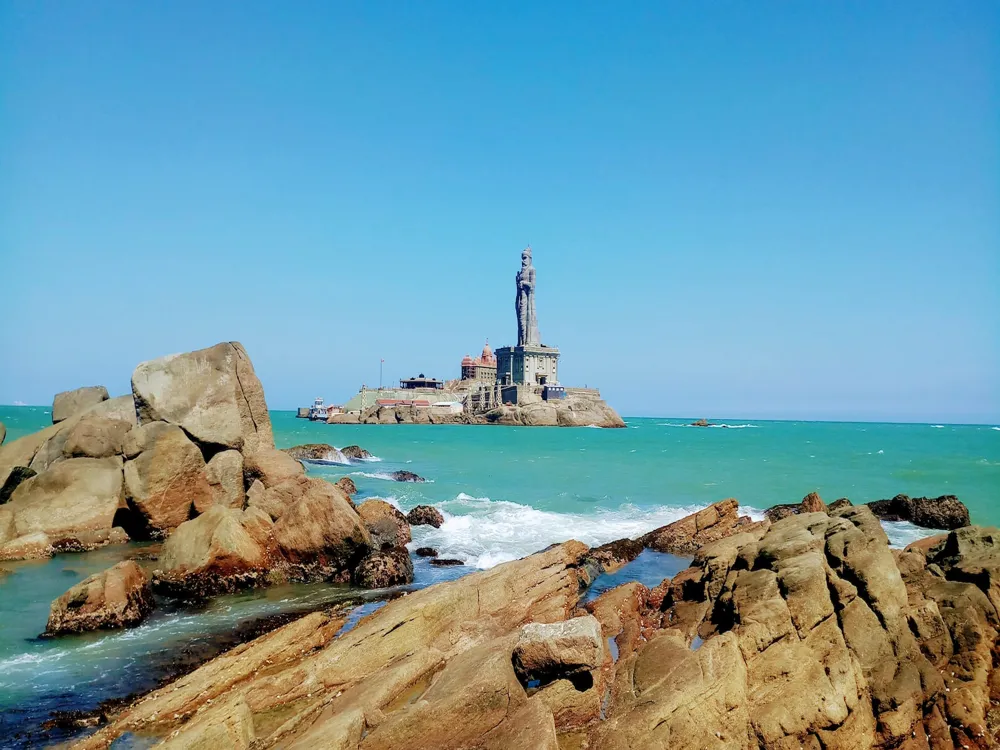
[[757, 209]]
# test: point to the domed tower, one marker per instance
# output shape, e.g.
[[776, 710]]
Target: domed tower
[[487, 357]]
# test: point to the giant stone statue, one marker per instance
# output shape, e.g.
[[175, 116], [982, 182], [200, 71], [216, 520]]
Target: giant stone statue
[[527, 320]]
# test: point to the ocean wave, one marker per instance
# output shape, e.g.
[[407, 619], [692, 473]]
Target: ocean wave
[[721, 425], [386, 476], [483, 532], [995, 428], [902, 533]]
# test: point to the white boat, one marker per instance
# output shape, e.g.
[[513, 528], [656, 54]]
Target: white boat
[[318, 411]]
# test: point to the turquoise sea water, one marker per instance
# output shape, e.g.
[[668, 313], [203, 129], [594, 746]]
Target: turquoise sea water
[[506, 492]]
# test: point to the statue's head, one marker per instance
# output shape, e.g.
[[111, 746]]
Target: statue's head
[[526, 257]]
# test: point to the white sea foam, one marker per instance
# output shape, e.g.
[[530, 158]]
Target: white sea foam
[[901, 533], [385, 476], [721, 425], [484, 532], [995, 428]]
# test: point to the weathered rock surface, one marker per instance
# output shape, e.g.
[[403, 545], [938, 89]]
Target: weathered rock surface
[[165, 478], [271, 467], [95, 437], [613, 555], [387, 526], [446, 562], [426, 552], [573, 411], [432, 669], [34, 546], [545, 651], [686, 536], [70, 403], [17, 475], [221, 550], [945, 512], [312, 452], [405, 476], [347, 485], [74, 503], [213, 394], [811, 503], [425, 515], [119, 597], [384, 568], [224, 472]]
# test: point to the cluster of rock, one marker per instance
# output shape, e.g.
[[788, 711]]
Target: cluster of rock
[[806, 632], [576, 410], [945, 512], [188, 457]]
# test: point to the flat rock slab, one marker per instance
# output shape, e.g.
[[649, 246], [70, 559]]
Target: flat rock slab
[[545, 651]]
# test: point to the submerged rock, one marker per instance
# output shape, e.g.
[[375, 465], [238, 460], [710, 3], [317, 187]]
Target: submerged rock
[[425, 515], [119, 597], [312, 451], [213, 394], [445, 562], [945, 512], [70, 403], [356, 453], [426, 552], [405, 476]]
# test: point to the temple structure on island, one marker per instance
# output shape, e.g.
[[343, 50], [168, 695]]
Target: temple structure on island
[[483, 368], [530, 363]]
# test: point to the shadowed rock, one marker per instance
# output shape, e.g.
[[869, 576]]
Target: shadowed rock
[[945, 512], [387, 526], [384, 568], [425, 515]]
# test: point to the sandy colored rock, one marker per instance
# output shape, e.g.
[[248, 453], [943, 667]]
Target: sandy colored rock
[[34, 546], [167, 480], [356, 453], [530, 727], [347, 485], [425, 515], [119, 597], [384, 568], [70, 403], [221, 550], [386, 525], [320, 534], [95, 437], [271, 467], [213, 394], [545, 651], [224, 472], [76, 499], [710, 524], [312, 452], [811, 503]]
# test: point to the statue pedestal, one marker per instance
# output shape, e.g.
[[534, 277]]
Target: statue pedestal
[[532, 365]]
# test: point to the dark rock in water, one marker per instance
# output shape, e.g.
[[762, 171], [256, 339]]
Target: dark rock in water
[[406, 476], [945, 512], [17, 475], [426, 552], [356, 453], [811, 503], [387, 567], [387, 526], [445, 562], [613, 555], [312, 452], [119, 597], [702, 423], [425, 515]]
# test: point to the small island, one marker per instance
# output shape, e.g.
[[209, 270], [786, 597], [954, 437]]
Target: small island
[[517, 386]]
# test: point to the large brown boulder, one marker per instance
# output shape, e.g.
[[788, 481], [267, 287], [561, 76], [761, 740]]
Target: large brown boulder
[[213, 394], [74, 503], [425, 515], [945, 512], [710, 524], [70, 403], [165, 477], [95, 437], [270, 466], [387, 526], [221, 550], [546, 651], [356, 453], [119, 597], [811, 503], [320, 535], [225, 477]]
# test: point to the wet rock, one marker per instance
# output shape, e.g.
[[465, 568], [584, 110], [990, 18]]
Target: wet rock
[[34, 546], [384, 568], [702, 423], [545, 651], [356, 453], [426, 552], [945, 512], [312, 452], [77, 499], [445, 562], [17, 475], [165, 480], [347, 485], [119, 597], [213, 394], [710, 524], [614, 555], [387, 526], [70, 403], [221, 550], [225, 479], [95, 437], [405, 476], [425, 515]]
